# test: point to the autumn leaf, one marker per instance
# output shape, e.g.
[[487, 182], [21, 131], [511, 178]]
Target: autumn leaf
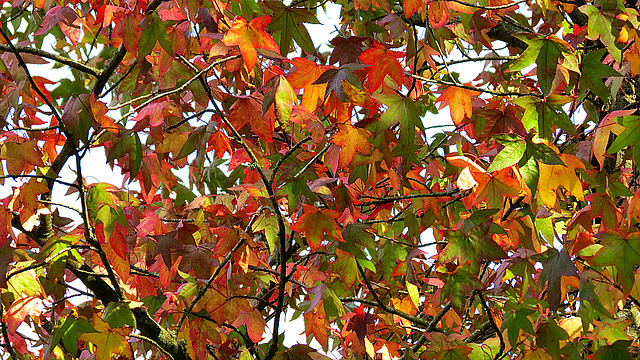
[[493, 188], [459, 101], [554, 176], [600, 27], [607, 126], [474, 247], [249, 37], [109, 342], [315, 224], [555, 265], [21, 156], [621, 252], [289, 22], [351, 139], [307, 72], [382, 62], [593, 70]]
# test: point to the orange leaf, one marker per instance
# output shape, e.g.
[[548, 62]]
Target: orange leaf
[[315, 223], [459, 101], [21, 156], [492, 188], [351, 139], [307, 72], [254, 321], [250, 37], [20, 309], [382, 63]]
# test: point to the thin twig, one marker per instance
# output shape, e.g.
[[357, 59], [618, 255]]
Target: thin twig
[[313, 160], [382, 200], [281, 160]]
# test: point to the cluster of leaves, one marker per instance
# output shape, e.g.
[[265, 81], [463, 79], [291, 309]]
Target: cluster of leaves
[[313, 179]]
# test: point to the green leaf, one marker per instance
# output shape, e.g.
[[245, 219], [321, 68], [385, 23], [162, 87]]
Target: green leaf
[[516, 321], [599, 27], [543, 114], [510, 155], [401, 110], [549, 336], [593, 70], [475, 247], [413, 294], [622, 253], [547, 61], [630, 135], [530, 174], [153, 31], [119, 314], [79, 326], [288, 20], [617, 351]]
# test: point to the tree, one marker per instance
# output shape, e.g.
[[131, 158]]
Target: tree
[[310, 180]]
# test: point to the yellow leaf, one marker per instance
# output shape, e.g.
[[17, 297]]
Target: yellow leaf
[[109, 342], [553, 176]]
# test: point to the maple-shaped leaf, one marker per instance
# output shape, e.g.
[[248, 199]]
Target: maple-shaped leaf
[[623, 253], [307, 72], [459, 101], [20, 309], [315, 223], [516, 321], [165, 243], [493, 188], [248, 109], [546, 51], [593, 70], [333, 78], [555, 265], [543, 114], [410, 7], [603, 207], [346, 51], [254, 321], [630, 135], [600, 27], [549, 337], [554, 176], [317, 325], [401, 110], [27, 204], [288, 20], [153, 31], [382, 62], [458, 284], [109, 342], [21, 157], [351, 139], [475, 246], [618, 351], [611, 330], [514, 149], [249, 37]]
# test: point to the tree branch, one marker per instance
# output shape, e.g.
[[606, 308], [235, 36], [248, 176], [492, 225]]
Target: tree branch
[[61, 59]]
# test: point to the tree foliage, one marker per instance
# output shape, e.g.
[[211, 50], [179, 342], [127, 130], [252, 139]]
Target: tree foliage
[[267, 174]]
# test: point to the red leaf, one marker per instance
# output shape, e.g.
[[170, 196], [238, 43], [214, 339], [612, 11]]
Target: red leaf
[[383, 62], [250, 37]]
